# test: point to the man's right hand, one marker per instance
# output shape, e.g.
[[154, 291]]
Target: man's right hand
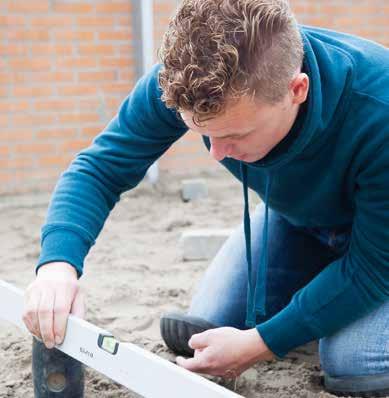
[[48, 301]]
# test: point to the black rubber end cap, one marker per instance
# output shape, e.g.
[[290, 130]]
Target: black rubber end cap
[[55, 374]]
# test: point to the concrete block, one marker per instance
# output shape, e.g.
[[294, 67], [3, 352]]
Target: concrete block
[[193, 189], [203, 244]]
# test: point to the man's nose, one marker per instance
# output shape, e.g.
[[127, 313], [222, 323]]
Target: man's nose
[[219, 150]]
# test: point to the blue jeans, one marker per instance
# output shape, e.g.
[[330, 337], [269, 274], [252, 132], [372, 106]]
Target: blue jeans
[[296, 255]]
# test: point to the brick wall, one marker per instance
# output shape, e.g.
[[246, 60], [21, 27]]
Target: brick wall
[[65, 66]]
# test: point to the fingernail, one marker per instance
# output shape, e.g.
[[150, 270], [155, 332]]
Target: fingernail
[[57, 340], [49, 345]]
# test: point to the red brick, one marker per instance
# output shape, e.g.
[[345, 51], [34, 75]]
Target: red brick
[[5, 178], [61, 161], [12, 20], [74, 35], [8, 106], [37, 64], [119, 88], [126, 49], [16, 163], [320, 21], [90, 103], [51, 49], [4, 151], [77, 62], [124, 21], [79, 118], [91, 131], [46, 77], [97, 76], [62, 49], [16, 134], [35, 147], [122, 35], [97, 49], [127, 76], [114, 102], [110, 7], [5, 78], [25, 34], [117, 62], [164, 8], [75, 145], [77, 90], [333, 9], [95, 21], [52, 77], [31, 91], [56, 132], [33, 120], [28, 6], [12, 49], [4, 120], [364, 9], [73, 8], [54, 105], [50, 20]]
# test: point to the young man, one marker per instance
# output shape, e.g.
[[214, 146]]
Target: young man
[[298, 114]]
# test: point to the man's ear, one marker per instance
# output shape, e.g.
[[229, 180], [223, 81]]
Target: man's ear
[[299, 88]]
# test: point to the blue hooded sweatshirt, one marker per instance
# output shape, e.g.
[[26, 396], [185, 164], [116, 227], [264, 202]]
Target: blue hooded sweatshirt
[[331, 171]]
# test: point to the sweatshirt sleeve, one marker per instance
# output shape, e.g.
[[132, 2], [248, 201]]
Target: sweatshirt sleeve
[[116, 161], [353, 285]]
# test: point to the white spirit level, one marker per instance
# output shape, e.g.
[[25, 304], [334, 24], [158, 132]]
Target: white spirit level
[[135, 368]]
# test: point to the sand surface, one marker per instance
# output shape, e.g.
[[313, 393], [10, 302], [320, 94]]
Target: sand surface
[[133, 274]]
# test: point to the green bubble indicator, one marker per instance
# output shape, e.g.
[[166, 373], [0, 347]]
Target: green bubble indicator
[[108, 343]]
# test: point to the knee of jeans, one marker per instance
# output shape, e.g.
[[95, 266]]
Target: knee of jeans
[[361, 348], [338, 356]]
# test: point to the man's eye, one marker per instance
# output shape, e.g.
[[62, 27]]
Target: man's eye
[[240, 137]]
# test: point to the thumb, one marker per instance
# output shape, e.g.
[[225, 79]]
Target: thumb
[[78, 306], [199, 340], [192, 364]]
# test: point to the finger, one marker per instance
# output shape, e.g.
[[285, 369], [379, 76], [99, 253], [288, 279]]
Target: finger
[[193, 364], [199, 340], [30, 316], [62, 305], [45, 316], [27, 312], [199, 363], [78, 305]]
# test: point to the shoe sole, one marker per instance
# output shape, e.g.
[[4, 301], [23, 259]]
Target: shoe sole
[[177, 329], [374, 385]]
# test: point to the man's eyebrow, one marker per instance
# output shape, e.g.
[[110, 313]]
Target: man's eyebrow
[[237, 135]]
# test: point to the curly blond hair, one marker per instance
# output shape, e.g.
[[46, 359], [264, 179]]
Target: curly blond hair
[[215, 51]]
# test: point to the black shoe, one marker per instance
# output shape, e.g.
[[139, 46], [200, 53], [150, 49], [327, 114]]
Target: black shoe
[[178, 328], [368, 386]]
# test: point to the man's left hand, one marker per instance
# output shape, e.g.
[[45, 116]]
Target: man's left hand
[[225, 351]]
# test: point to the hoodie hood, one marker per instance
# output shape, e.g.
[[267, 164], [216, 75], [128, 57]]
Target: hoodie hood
[[309, 131], [328, 93]]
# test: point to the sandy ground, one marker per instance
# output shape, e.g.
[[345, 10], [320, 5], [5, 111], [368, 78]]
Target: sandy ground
[[133, 274]]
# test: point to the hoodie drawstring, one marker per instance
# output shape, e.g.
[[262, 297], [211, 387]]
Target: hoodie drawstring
[[256, 296]]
